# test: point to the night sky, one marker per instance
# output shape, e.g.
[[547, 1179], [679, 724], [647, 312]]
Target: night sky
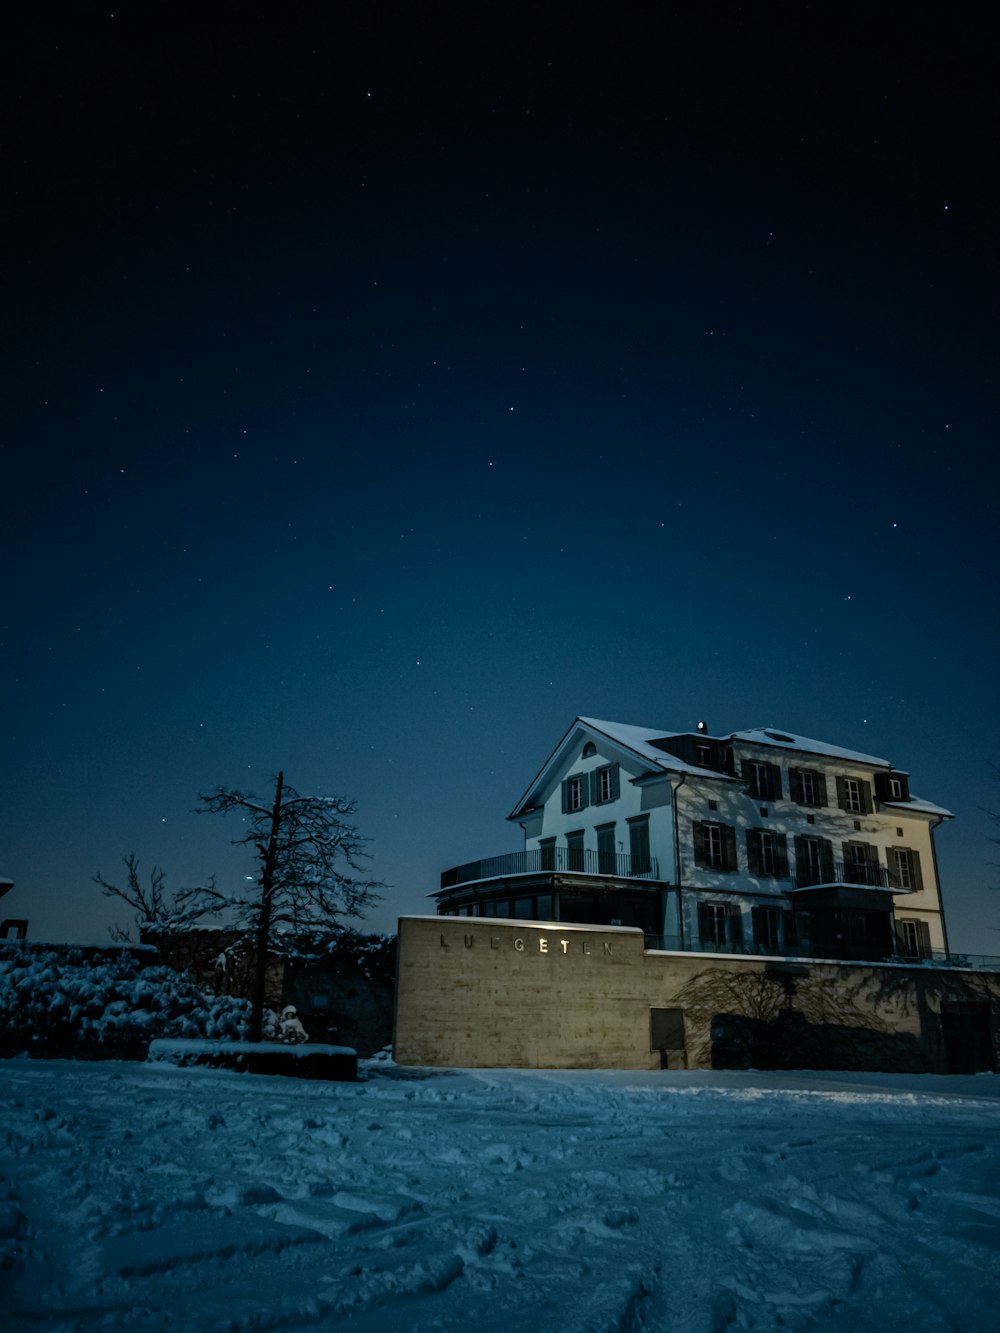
[[385, 386]]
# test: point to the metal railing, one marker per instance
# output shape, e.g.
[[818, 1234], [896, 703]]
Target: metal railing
[[867, 874], [565, 860], [972, 962]]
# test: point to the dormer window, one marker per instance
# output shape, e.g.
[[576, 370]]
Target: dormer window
[[892, 786], [704, 755]]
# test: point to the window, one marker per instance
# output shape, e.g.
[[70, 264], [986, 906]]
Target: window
[[767, 929], [606, 849], [714, 846], [806, 786], [574, 851], [638, 845], [589, 750], [604, 784], [766, 852], [720, 926], [703, 755], [861, 865], [914, 939], [574, 792], [763, 780], [854, 795], [764, 847], [904, 869], [892, 786], [810, 862], [714, 918]]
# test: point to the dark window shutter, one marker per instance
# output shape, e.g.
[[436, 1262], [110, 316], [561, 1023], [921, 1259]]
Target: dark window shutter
[[819, 779], [918, 879], [594, 783], [735, 925], [788, 930], [774, 781], [800, 858], [565, 796], [866, 796], [924, 931], [841, 793], [795, 785], [781, 855], [757, 925], [753, 850], [729, 845], [826, 859], [699, 843], [615, 783], [703, 927]]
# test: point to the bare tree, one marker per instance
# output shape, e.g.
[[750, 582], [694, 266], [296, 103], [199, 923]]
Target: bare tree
[[153, 909], [310, 870]]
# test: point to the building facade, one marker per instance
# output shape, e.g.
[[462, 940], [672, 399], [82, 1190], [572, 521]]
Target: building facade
[[758, 842]]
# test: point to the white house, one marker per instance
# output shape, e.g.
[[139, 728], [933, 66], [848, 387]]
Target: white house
[[757, 842]]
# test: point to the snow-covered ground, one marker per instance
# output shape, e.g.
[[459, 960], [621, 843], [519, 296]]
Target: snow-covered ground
[[152, 1197]]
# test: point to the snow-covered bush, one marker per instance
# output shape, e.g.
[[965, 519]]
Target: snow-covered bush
[[59, 1002]]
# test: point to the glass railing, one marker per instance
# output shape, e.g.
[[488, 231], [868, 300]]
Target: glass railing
[[565, 860]]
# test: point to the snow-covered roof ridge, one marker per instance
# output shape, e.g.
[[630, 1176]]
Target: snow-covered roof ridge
[[638, 739], [786, 740]]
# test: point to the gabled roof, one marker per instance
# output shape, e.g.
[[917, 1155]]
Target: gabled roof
[[639, 741], [635, 740]]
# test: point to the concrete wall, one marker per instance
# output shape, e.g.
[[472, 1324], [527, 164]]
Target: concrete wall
[[493, 993]]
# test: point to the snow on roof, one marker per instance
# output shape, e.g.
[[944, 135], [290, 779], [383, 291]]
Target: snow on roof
[[637, 739], [783, 740], [915, 803], [640, 741]]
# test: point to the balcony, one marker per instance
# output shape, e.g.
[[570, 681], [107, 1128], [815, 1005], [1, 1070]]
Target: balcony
[[560, 860], [867, 875]]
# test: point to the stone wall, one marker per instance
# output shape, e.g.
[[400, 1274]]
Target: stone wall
[[492, 993]]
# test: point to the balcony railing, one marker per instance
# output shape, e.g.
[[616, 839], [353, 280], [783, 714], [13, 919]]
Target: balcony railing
[[866, 874], [564, 860], [972, 962]]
